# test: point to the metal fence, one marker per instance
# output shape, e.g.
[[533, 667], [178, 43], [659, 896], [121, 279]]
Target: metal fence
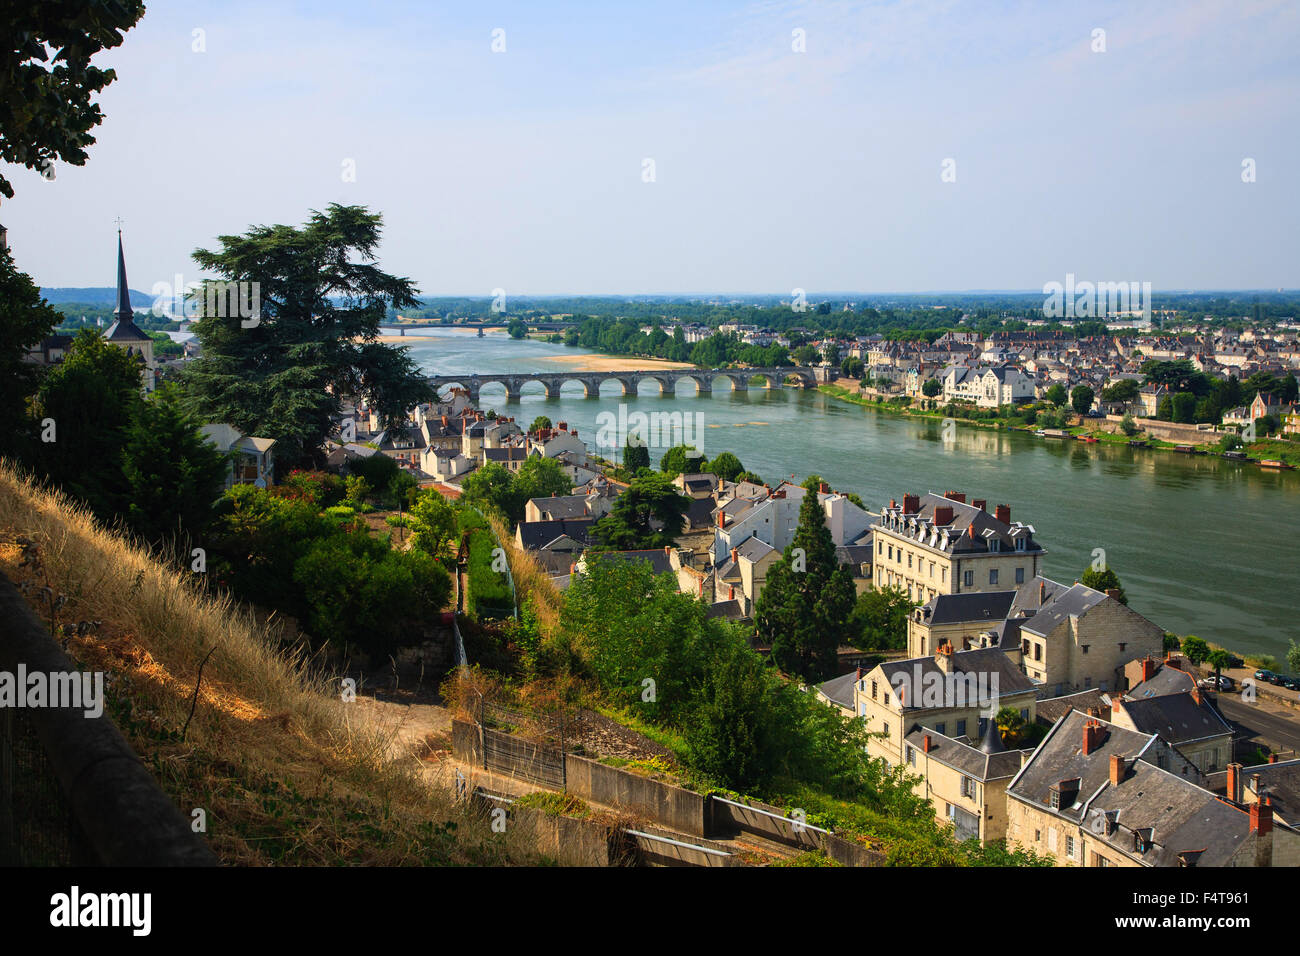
[[523, 744], [37, 825]]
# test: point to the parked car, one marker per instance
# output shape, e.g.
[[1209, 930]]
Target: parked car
[[1291, 683], [1277, 679], [1225, 683], [1265, 676]]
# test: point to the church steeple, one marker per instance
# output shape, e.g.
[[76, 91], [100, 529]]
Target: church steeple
[[124, 329], [124, 310]]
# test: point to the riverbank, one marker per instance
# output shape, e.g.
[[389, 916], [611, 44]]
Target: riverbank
[[1273, 449], [613, 363]]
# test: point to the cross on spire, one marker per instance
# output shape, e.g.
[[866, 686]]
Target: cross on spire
[[118, 220]]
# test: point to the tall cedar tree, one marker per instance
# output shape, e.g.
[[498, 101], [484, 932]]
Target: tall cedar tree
[[316, 337], [804, 616], [25, 319], [628, 526], [635, 455], [174, 474], [85, 406]]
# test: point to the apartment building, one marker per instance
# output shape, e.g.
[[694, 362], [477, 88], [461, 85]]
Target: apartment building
[[938, 544]]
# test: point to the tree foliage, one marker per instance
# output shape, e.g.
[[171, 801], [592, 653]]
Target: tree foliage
[[649, 514], [46, 80], [281, 373]]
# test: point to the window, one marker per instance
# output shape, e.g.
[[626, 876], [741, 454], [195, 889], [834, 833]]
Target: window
[[1038, 836], [970, 579], [873, 690], [891, 552], [1038, 652], [885, 727], [940, 727], [1024, 714], [967, 787], [911, 756], [993, 576], [943, 575], [1121, 647], [909, 559], [880, 547], [1020, 575], [1020, 544], [1084, 648], [961, 728], [1069, 847], [931, 569], [1056, 799], [1099, 860]]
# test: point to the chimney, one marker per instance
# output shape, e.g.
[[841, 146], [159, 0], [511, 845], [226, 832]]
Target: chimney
[[444, 421], [927, 743], [824, 488], [1196, 695], [735, 555], [943, 656], [958, 496], [893, 504], [1261, 817], [1234, 782], [911, 504], [668, 549], [731, 592], [1116, 770], [1003, 513], [563, 426], [1272, 758], [1112, 593], [1093, 735], [1149, 668], [722, 519], [981, 504], [943, 515], [1042, 592]]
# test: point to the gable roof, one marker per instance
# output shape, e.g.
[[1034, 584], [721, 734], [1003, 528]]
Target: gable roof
[[962, 757], [1177, 718], [991, 606]]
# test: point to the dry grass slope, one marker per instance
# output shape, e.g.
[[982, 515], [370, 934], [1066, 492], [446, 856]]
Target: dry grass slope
[[286, 772]]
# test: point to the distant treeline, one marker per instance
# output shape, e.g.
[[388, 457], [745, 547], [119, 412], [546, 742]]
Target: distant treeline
[[897, 316]]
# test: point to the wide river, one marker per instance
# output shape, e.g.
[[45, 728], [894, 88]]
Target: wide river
[[1203, 546]]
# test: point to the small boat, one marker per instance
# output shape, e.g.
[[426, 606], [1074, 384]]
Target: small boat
[[1088, 438], [1185, 449], [1138, 443], [1235, 455], [1274, 463]]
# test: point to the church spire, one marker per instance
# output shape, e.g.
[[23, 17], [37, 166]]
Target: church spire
[[124, 311]]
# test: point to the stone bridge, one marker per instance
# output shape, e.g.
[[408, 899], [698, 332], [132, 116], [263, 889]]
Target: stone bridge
[[667, 378]]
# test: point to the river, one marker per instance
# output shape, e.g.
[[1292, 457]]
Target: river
[[1202, 545]]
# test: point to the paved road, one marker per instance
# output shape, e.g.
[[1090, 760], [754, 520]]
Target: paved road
[[1274, 724]]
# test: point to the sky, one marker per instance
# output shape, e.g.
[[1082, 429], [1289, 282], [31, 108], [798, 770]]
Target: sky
[[909, 146]]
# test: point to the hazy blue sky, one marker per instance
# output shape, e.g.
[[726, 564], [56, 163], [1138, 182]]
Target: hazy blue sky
[[774, 169]]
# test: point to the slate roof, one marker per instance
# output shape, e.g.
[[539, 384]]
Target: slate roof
[[1052, 709], [1167, 680], [536, 534], [509, 453], [991, 606], [1182, 819], [963, 757], [839, 690], [1177, 718], [1281, 783], [561, 506], [731, 610], [658, 558], [986, 660], [1078, 599], [969, 532]]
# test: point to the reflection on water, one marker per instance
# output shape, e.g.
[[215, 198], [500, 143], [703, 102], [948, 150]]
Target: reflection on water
[[1203, 545]]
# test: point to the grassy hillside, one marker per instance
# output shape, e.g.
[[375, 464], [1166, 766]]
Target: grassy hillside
[[287, 772]]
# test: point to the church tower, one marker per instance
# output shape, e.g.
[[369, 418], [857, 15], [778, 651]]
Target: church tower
[[124, 333]]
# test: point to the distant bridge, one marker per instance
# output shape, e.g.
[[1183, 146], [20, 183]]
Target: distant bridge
[[667, 378]]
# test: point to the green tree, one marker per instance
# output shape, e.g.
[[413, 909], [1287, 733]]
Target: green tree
[[281, 373], [173, 474], [635, 455], [1171, 642], [517, 328], [540, 422], [1195, 649], [1056, 394], [86, 405], [931, 387], [806, 355], [1124, 390], [1220, 660], [649, 514], [46, 112], [1104, 580], [1128, 426], [1293, 657], [804, 612], [432, 521], [537, 477], [680, 459], [1183, 408], [26, 320], [726, 466], [880, 619], [1081, 398], [1010, 725], [491, 489]]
